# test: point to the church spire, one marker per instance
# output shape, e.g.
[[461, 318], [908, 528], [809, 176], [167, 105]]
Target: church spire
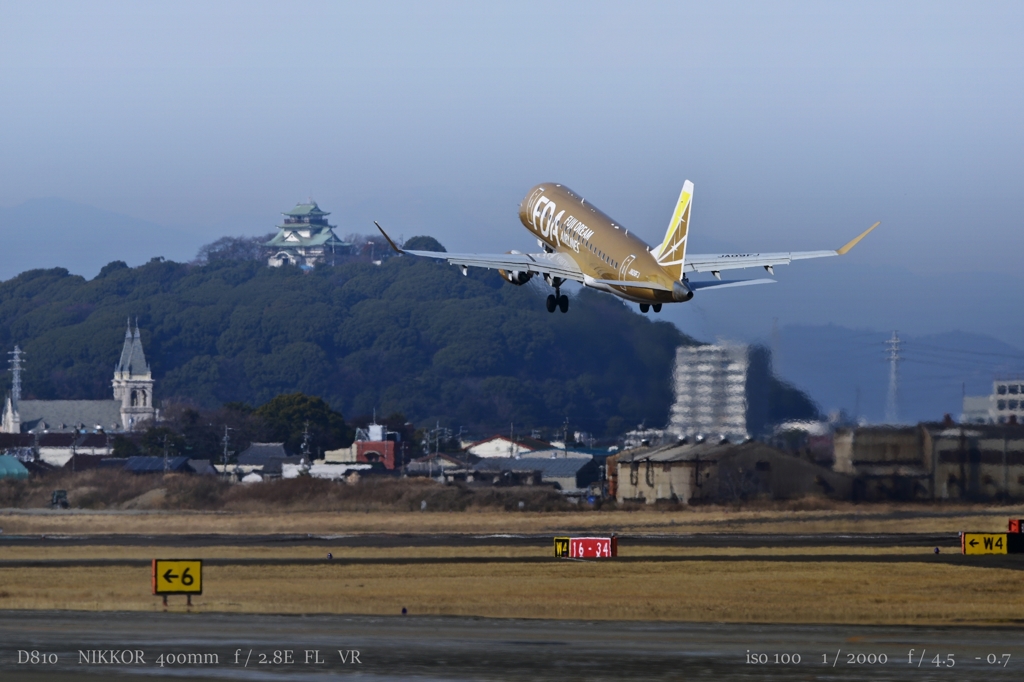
[[133, 360]]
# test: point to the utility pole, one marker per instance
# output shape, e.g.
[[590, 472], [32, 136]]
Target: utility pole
[[305, 442], [892, 402], [565, 437], [225, 441], [166, 465]]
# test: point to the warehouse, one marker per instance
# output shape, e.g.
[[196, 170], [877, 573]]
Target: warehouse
[[689, 473]]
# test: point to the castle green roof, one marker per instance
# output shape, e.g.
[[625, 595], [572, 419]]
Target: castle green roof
[[322, 237], [305, 210]]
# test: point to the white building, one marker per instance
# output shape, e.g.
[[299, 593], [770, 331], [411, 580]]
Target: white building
[[501, 446], [710, 388], [1005, 404]]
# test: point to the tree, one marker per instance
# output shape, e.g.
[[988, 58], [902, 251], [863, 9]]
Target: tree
[[424, 243], [233, 248], [286, 419]]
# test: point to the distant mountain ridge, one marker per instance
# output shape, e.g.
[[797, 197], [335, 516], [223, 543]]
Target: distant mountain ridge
[[848, 369], [52, 232]]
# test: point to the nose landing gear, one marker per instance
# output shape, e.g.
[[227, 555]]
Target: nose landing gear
[[657, 307], [644, 307]]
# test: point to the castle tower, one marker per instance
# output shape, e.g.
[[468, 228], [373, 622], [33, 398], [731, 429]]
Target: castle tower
[[304, 239], [133, 382]]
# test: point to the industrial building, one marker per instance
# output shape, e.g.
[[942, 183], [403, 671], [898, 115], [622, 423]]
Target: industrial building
[[688, 473], [934, 461]]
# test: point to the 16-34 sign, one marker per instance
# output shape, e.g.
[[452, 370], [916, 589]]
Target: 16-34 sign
[[173, 576]]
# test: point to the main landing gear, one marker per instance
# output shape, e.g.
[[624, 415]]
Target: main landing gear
[[560, 301], [644, 307]]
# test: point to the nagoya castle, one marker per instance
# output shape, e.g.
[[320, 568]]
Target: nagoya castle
[[304, 239]]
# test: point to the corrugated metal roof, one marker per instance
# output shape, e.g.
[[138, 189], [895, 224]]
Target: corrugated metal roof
[[154, 465], [10, 467], [260, 454], [563, 467], [688, 452]]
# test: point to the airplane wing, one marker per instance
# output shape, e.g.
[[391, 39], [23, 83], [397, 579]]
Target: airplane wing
[[555, 264], [714, 263]]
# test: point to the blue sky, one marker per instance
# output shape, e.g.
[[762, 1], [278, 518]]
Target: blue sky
[[799, 123]]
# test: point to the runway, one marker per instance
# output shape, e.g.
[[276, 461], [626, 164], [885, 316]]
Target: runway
[[213, 646]]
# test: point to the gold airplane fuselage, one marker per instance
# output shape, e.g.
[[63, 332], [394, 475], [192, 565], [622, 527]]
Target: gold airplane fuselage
[[604, 250]]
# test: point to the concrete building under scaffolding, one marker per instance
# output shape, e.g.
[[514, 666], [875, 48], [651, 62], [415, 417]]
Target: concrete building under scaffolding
[[711, 392]]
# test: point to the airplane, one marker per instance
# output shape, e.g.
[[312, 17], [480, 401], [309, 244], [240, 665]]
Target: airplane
[[582, 244]]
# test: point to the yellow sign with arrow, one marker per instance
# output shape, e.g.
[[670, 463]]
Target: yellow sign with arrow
[[175, 576], [984, 543]]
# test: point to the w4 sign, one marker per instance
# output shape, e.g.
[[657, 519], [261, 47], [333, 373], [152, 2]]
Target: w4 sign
[[175, 576], [992, 543]]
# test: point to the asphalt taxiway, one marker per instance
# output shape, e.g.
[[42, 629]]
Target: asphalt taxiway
[[51, 645]]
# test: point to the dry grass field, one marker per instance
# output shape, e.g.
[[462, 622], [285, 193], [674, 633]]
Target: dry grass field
[[747, 591], [783, 518]]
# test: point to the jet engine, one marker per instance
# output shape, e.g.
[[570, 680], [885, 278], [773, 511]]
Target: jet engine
[[517, 277]]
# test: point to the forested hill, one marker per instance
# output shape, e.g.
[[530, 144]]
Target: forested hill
[[409, 335]]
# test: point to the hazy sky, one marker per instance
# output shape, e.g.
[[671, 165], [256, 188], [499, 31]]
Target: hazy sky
[[799, 123]]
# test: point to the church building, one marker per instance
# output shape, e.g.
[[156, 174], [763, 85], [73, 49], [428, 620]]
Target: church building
[[131, 407], [305, 239]]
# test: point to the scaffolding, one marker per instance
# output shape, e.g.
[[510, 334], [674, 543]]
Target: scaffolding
[[710, 387]]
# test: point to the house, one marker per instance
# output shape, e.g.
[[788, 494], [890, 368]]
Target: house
[[568, 474], [436, 464], [157, 465], [56, 449], [501, 446], [264, 458]]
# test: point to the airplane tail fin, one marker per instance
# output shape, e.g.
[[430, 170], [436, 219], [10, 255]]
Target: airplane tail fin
[[671, 253]]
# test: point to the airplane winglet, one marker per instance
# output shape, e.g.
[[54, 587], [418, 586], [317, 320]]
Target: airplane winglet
[[840, 251], [398, 250]]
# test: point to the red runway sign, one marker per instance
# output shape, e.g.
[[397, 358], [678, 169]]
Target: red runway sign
[[586, 548]]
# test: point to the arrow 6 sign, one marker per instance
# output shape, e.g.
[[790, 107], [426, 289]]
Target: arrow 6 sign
[[176, 576]]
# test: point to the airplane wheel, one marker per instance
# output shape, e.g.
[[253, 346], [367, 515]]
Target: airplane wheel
[[551, 303], [657, 307], [644, 307], [563, 303]]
